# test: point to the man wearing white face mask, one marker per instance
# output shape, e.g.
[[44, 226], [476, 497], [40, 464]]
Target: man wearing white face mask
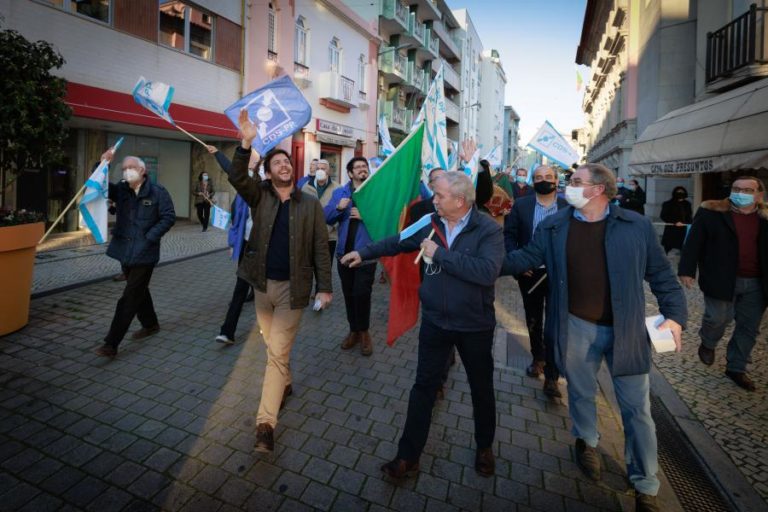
[[322, 187], [144, 213], [728, 242], [597, 255]]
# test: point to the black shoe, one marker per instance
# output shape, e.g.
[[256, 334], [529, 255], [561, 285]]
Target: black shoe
[[400, 468], [485, 462], [551, 389], [105, 351], [119, 277], [288, 391], [250, 296], [707, 355], [741, 379], [145, 332], [535, 369], [588, 460], [265, 438], [646, 503]]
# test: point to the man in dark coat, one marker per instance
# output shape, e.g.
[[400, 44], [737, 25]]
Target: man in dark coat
[[597, 256], [144, 213], [519, 227], [728, 243]]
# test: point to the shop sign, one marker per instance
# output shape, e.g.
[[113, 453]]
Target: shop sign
[[335, 128], [684, 166]]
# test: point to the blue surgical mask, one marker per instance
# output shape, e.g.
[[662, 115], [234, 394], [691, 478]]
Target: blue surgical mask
[[521, 179], [740, 199]]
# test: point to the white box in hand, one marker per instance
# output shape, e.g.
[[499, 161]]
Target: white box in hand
[[662, 340]]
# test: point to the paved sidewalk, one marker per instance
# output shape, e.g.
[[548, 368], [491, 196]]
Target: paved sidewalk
[[71, 258], [169, 424]]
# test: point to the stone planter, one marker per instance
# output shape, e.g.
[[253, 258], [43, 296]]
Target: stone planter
[[17, 261]]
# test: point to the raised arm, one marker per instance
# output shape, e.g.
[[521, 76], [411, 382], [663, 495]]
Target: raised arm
[[249, 188]]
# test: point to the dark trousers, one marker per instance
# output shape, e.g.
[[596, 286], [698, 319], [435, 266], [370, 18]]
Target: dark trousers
[[475, 349], [239, 296], [357, 284], [136, 301], [533, 303], [332, 250], [204, 214]]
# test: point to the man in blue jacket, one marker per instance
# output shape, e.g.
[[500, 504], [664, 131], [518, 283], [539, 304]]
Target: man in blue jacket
[[144, 213], [519, 226], [356, 283], [597, 255], [457, 295]]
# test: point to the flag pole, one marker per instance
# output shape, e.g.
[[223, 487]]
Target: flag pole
[[195, 138], [421, 252], [530, 291], [61, 215]]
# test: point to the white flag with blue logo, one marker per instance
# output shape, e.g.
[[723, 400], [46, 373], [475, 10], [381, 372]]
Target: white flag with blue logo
[[551, 144], [154, 96], [93, 205], [494, 156], [434, 150], [386, 141], [219, 218], [278, 109]]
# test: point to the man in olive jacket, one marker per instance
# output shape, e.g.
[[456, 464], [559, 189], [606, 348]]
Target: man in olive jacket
[[144, 213], [287, 245]]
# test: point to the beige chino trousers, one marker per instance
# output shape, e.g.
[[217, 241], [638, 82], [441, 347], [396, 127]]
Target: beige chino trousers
[[279, 325]]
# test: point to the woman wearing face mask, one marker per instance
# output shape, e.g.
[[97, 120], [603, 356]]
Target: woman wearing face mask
[[676, 211], [634, 198], [204, 199]]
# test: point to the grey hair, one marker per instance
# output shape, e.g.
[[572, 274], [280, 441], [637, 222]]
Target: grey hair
[[601, 175], [460, 185], [323, 161], [544, 168], [138, 160]]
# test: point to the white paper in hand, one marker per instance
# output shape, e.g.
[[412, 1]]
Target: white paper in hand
[[662, 340]]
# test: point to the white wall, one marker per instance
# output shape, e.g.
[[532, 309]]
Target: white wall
[[470, 68], [491, 115], [99, 56]]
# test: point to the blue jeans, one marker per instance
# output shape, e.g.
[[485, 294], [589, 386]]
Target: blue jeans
[[747, 307], [588, 343]]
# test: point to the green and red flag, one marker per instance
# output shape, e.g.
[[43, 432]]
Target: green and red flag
[[383, 202]]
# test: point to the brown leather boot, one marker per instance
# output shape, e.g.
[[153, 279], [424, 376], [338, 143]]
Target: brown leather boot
[[352, 339], [366, 345], [265, 438]]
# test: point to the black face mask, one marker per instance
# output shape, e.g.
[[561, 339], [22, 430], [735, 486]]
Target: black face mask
[[544, 187], [680, 195]]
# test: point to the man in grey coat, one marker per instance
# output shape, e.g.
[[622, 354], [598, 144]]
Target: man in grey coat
[[597, 256]]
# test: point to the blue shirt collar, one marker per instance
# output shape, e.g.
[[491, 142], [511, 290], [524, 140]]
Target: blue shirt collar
[[580, 216]]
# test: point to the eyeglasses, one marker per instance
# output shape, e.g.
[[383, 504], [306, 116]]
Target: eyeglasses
[[129, 167], [577, 182], [743, 190]]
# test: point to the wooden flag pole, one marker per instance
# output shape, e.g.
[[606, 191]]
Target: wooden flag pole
[[61, 215], [530, 291], [195, 138], [421, 252]]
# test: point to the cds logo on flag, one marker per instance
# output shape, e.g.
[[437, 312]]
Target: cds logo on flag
[[154, 96], [386, 141], [494, 156], [220, 218], [551, 144], [278, 109]]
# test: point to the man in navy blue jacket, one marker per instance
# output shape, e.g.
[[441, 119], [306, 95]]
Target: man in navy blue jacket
[[597, 256], [144, 213], [519, 227], [457, 296]]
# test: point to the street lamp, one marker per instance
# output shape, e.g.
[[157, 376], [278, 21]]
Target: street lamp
[[396, 48], [475, 104]]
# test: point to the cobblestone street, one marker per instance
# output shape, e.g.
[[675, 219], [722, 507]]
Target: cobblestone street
[[169, 423]]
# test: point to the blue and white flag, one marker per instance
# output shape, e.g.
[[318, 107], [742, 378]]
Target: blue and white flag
[[434, 150], [154, 96], [453, 155], [278, 108], [494, 156], [220, 218], [551, 144], [93, 206], [416, 227], [471, 167], [386, 141]]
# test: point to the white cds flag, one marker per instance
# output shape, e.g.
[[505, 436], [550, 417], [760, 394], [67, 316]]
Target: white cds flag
[[386, 141], [494, 156], [434, 150], [551, 144], [219, 218]]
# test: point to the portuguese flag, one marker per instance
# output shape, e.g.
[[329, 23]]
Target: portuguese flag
[[383, 202]]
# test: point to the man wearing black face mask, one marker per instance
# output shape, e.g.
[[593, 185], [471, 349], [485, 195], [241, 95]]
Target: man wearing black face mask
[[519, 227]]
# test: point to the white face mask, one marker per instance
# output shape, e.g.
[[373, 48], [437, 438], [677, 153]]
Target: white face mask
[[321, 175], [131, 175], [575, 197], [250, 173]]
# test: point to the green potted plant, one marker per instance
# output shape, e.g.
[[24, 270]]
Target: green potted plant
[[19, 233]]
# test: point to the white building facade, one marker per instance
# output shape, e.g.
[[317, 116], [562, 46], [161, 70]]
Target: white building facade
[[493, 82]]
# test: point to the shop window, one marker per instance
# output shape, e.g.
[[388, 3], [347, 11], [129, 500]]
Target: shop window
[[94, 9], [186, 28]]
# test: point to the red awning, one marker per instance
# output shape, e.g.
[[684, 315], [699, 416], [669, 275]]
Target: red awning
[[96, 103]]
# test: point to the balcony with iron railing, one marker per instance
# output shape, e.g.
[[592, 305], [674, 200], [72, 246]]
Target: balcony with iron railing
[[398, 15], [738, 52], [432, 43], [338, 89], [417, 29], [392, 64], [394, 115], [447, 41], [301, 74]]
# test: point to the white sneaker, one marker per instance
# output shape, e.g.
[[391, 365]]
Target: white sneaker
[[223, 339]]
